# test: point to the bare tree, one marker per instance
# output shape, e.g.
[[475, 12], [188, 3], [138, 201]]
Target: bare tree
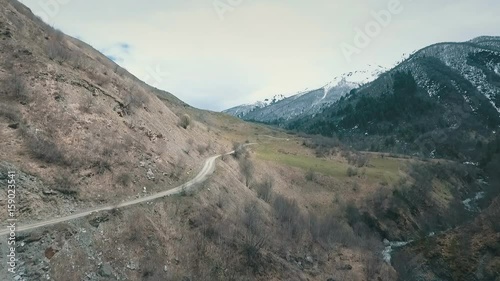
[[247, 169]]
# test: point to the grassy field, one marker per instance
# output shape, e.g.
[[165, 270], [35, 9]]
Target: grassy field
[[292, 154]]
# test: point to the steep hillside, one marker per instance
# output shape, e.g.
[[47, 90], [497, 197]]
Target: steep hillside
[[306, 103], [78, 132], [443, 101], [83, 126]]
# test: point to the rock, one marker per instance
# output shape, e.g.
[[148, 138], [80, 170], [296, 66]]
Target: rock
[[50, 253], [309, 259], [150, 175], [98, 218], [14, 126], [165, 268], [386, 242], [131, 265], [345, 267], [106, 270], [49, 192]]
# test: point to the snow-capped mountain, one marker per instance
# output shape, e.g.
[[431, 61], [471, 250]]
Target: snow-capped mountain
[[441, 101], [242, 110], [307, 102]]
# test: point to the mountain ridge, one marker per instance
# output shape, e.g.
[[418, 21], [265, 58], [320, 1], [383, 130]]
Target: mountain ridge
[[307, 102]]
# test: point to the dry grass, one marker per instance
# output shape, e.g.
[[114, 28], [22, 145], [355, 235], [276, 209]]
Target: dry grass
[[10, 113], [42, 147]]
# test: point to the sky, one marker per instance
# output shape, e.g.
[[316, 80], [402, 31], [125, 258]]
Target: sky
[[216, 54]]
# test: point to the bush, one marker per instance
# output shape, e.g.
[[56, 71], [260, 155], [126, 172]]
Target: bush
[[265, 189], [286, 209], [87, 104], [251, 251], [178, 169], [310, 175], [184, 121], [289, 214], [81, 62], [356, 159], [202, 149], [64, 184], [43, 148], [124, 179], [240, 151], [56, 51], [15, 87], [102, 165], [351, 172], [133, 102], [252, 218], [247, 169], [103, 80]]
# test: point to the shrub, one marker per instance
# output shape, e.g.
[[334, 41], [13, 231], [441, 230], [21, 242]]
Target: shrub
[[178, 169], [356, 159], [289, 214], [81, 62], [202, 149], [265, 189], [124, 179], [251, 251], [286, 209], [184, 121], [56, 51], [43, 148], [64, 184], [87, 104], [131, 103], [351, 172], [102, 165], [310, 175], [103, 80], [252, 218], [247, 169], [16, 87], [240, 151]]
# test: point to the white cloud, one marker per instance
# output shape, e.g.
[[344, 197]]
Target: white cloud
[[261, 48]]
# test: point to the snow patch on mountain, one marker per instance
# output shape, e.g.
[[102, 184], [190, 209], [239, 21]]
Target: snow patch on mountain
[[457, 56], [307, 102]]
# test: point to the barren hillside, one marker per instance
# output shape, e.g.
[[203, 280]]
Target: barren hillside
[[77, 132]]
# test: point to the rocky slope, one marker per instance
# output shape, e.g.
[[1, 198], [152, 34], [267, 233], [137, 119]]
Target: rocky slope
[[78, 131]]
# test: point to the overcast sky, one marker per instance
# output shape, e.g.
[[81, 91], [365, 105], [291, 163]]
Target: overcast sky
[[215, 54]]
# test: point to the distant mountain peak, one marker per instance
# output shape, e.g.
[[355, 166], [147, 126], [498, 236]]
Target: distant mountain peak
[[307, 102]]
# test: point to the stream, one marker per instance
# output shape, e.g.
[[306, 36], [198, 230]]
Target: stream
[[470, 204]]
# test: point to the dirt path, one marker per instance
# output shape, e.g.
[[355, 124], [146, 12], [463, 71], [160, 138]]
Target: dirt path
[[206, 171]]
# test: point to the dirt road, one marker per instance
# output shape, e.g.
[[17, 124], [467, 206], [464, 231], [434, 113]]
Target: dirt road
[[207, 170]]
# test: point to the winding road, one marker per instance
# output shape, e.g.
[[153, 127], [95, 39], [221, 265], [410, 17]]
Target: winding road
[[206, 171]]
